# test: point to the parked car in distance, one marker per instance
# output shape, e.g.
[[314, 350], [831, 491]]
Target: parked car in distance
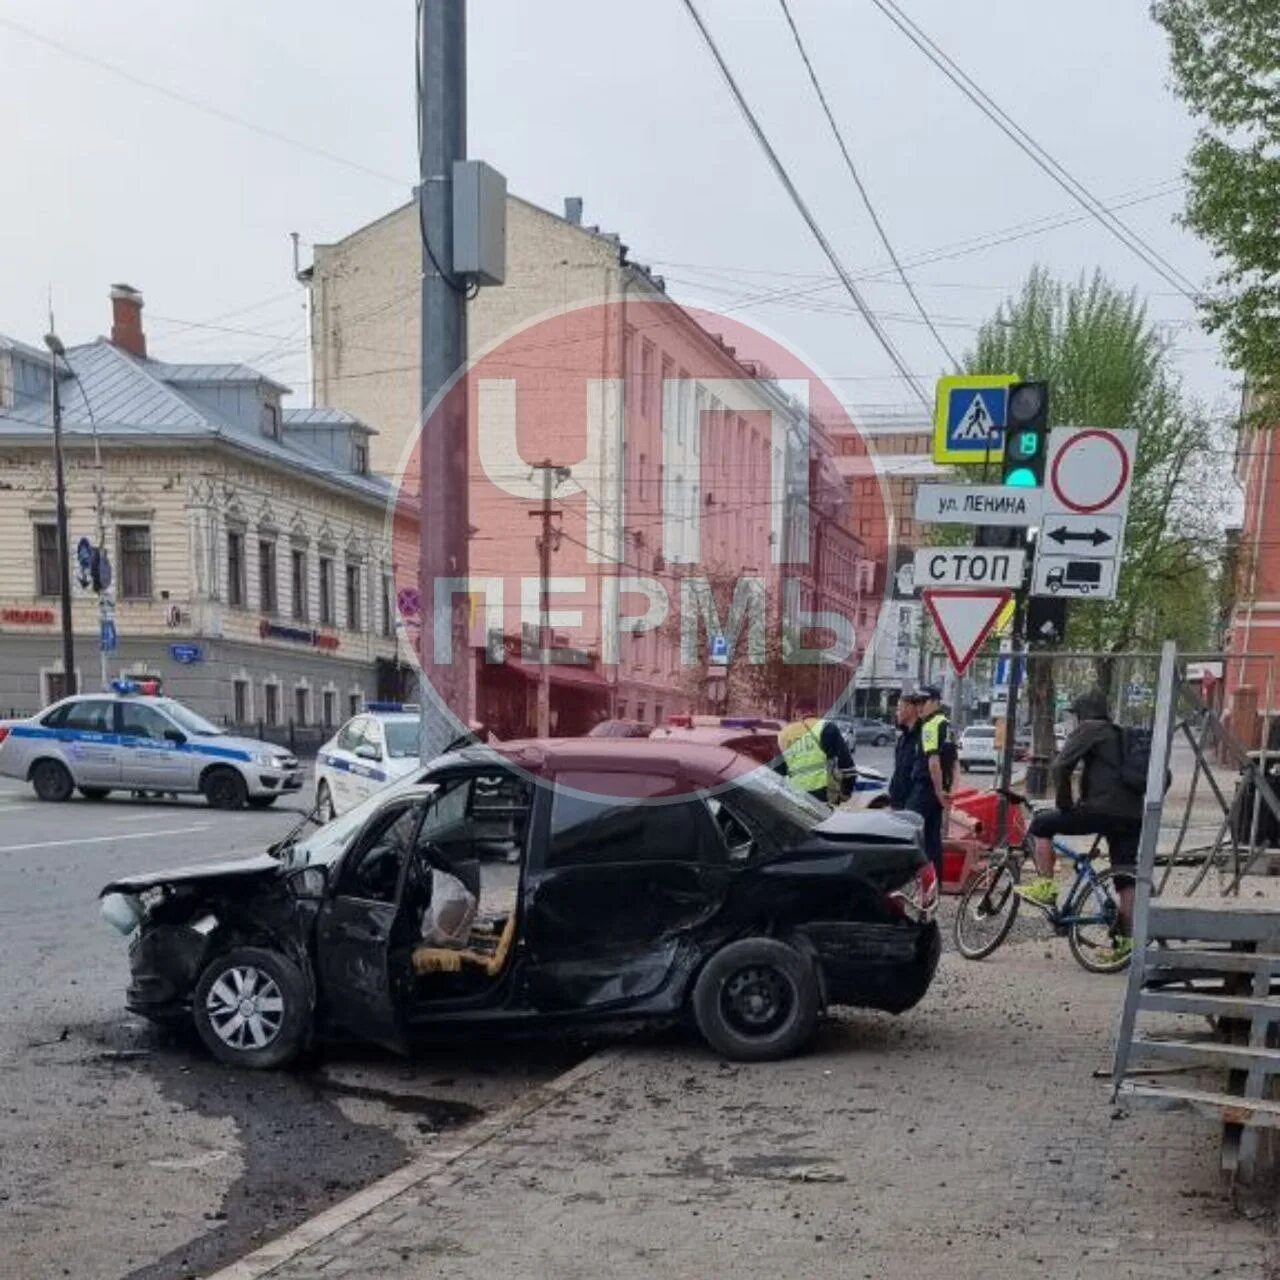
[[619, 729], [976, 748], [736, 903], [126, 740], [860, 730], [372, 749]]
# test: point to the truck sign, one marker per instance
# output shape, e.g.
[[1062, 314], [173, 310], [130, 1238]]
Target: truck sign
[[1071, 577]]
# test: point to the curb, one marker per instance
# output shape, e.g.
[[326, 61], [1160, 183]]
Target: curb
[[329, 1221]]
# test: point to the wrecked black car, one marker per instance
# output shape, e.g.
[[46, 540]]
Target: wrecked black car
[[544, 884]]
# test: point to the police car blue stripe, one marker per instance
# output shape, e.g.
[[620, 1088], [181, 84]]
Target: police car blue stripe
[[360, 770], [128, 740]]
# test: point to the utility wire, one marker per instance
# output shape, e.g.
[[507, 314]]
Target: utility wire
[[1025, 142], [861, 186], [785, 178]]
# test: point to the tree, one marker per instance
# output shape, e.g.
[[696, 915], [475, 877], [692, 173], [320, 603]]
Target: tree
[[1107, 366], [1226, 60]]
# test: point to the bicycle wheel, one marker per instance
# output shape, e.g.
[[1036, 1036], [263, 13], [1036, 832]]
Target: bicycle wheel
[[1092, 940], [986, 912]]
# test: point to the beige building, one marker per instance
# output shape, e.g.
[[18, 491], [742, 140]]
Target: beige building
[[246, 540], [730, 477]]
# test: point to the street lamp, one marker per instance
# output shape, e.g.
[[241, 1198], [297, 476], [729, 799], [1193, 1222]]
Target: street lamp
[[56, 349]]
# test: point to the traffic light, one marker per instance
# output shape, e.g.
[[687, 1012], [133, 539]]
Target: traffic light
[[1026, 431]]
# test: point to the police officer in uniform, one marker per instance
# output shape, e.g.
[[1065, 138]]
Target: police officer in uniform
[[815, 757], [933, 772]]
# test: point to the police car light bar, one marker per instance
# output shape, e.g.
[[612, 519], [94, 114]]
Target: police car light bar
[[391, 706]]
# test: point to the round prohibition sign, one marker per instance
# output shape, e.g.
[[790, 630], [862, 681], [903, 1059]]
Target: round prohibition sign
[[1098, 465]]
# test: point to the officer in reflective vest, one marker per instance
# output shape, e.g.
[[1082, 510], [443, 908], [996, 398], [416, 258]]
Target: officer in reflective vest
[[815, 757], [934, 770]]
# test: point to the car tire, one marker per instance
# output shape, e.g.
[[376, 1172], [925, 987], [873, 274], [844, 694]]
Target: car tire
[[882, 741], [261, 802], [282, 1021], [51, 781], [224, 788], [95, 793], [324, 803], [757, 1000]]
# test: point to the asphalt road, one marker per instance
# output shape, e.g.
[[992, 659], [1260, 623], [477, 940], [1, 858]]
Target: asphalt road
[[128, 1152]]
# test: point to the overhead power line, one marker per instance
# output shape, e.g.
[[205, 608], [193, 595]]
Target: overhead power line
[[196, 104], [1026, 143], [861, 186], [798, 200]]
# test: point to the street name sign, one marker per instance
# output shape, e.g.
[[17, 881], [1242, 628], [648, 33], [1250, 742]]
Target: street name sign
[[968, 567], [1089, 476], [964, 619], [968, 420], [978, 504]]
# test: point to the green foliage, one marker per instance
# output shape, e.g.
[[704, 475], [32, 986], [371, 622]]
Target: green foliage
[[1226, 67], [1108, 367]]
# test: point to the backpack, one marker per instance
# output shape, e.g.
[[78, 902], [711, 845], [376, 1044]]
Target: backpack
[[1135, 759]]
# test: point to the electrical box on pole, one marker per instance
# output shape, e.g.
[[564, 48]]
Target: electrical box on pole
[[479, 222]]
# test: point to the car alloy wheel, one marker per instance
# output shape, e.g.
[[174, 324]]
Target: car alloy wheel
[[245, 1008]]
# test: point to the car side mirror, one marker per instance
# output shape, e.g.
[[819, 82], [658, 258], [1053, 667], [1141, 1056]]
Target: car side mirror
[[309, 883], [367, 751], [175, 735]]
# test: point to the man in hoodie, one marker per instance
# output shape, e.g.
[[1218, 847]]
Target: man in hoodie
[[1105, 806]]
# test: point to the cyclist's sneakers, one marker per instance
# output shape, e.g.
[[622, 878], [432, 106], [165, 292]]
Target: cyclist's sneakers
[[1043, 891], [1120, 952]]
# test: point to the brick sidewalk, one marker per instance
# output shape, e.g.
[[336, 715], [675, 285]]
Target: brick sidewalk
[[967, 1139]]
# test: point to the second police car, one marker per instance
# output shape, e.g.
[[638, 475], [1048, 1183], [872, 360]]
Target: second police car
[[369, 751], [133, 739]]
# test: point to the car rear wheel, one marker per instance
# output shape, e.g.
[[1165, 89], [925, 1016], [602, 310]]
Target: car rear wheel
[[51, 780], [224, 789], [95, 793], [324, 803], [882, 740], [251, 1008], [262, 802], [757, 1000]]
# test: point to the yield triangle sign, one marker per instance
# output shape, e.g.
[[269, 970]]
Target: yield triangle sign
[[964, 620]]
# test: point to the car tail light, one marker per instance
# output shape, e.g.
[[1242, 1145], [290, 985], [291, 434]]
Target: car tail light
[[4, 732], [917, 900]]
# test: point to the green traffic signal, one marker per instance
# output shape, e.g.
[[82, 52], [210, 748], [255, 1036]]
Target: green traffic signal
[[1022, 478], [1026, 429]]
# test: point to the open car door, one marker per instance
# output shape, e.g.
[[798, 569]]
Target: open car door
[[364, 923]]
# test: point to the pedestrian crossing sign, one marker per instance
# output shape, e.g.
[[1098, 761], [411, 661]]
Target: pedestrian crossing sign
[[968, 422]]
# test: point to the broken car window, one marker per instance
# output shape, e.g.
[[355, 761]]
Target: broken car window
[[610, 829]]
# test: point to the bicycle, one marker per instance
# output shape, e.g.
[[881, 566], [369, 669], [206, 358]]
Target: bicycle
[[1088, 914]]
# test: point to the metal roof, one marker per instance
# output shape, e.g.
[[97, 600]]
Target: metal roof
[[321, 416], [133, 399], [210, 374]]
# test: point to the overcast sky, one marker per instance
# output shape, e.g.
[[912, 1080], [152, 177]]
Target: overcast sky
[[614, 100]]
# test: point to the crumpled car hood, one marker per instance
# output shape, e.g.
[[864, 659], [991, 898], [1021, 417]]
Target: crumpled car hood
[[240, 867]]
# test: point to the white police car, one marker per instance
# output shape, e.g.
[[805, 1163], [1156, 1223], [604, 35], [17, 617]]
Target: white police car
[[134, 739], [368, 752]]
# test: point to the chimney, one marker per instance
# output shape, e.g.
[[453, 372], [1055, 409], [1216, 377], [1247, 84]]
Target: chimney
[[126, 320], [573, 210]]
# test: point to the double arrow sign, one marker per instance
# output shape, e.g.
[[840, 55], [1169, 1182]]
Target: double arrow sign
[[1062, 535]]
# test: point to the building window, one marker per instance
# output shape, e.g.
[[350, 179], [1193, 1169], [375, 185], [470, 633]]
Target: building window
[[640, 710], [267, 598], [329, 703], [657, 713], [326, 591], [272, 703], [302, 706], [388, 613], [684, 393], [271, 420], [236, 592], [622, 708], [135, 562], [353, 597], [298, 573], [353, 704], [646, 379], [48, 577], [240, 701], [360, 459]]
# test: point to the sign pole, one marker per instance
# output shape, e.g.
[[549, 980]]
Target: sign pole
[[1016, 649]]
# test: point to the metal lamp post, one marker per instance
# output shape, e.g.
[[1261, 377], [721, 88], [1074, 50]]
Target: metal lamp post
[[56, 349]]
